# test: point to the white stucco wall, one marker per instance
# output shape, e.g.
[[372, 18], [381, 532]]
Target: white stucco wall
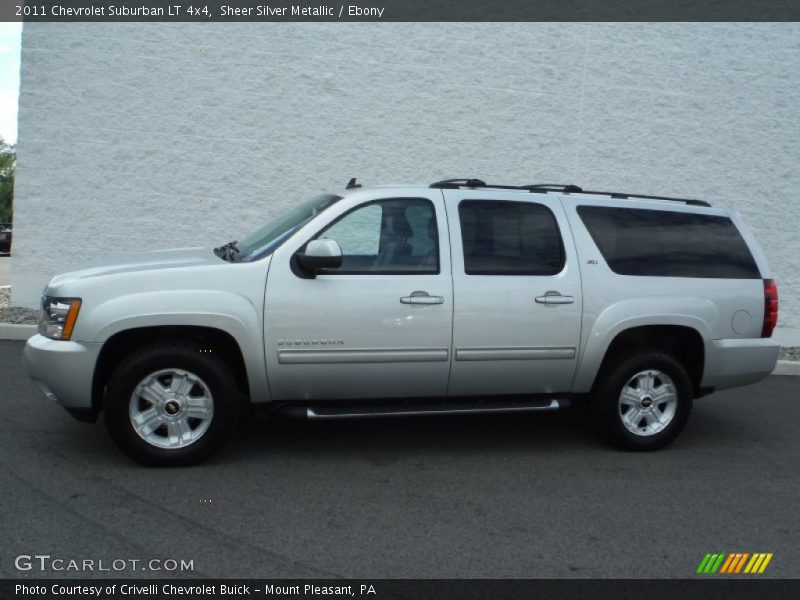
[[136, 136]]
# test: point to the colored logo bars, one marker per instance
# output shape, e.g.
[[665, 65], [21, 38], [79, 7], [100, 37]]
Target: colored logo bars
[[736, 562]]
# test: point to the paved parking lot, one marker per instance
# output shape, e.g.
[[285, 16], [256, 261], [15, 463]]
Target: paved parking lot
[[506, 496]]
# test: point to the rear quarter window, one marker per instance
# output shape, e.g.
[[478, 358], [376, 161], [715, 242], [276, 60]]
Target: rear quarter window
[[669, 244]]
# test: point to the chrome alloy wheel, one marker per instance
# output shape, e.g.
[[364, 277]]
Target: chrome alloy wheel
[[171, 408], [648, 402]]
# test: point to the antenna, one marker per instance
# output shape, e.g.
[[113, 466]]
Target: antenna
[[352, 184]]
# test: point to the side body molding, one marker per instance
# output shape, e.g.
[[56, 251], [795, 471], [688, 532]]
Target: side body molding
[[687, 311]]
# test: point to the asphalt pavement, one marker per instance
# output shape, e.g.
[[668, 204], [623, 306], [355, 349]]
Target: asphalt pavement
[[500, 496]]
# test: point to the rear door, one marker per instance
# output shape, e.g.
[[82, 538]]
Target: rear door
[[517, 291]]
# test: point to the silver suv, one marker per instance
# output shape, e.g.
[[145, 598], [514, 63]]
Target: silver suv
[[458, 297]]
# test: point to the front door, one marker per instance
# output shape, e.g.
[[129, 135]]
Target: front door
[[378, 326], [517, 291]]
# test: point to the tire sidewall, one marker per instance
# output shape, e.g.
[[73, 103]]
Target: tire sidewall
[[606, 409], [214, 373]]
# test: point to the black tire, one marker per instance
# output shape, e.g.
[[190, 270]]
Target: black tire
[[605, 409], [210, 368]]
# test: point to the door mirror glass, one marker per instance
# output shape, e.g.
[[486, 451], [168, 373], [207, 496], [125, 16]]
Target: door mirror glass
[[320, 254]]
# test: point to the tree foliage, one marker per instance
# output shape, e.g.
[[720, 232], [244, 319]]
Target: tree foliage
[[8, 160]]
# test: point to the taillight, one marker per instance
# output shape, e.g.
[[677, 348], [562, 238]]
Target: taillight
[[770, 308]]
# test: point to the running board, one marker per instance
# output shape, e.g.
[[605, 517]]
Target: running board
[[439, 408]]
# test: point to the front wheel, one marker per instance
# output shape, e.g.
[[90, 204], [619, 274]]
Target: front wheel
[[642, 401], [171, 404]]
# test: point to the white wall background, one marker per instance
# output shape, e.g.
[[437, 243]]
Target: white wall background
[[135, 136]]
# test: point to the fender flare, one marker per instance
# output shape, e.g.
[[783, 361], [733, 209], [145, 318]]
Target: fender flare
[[693, 312], [240, 319]]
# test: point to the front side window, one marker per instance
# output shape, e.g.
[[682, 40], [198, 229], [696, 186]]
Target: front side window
[[395, 236], [661, 243], [509, 238]]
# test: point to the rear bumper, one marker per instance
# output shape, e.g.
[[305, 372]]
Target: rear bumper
[[732, 363], [63, 371]]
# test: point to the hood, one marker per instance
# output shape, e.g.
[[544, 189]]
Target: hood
[[142, 261]]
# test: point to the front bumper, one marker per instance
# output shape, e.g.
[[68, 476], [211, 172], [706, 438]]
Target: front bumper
[[62, 370], [736, 362]]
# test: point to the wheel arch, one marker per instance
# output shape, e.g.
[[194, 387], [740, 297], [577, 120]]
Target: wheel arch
[[681, 335], [119, 345]]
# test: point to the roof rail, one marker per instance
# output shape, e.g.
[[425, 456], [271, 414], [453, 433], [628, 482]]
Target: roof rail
[[458, 183], [552, 187], [627, 196], [544, 188], [475, 183]]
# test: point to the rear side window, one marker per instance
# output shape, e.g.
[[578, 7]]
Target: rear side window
[[669, 244], [509, 238]]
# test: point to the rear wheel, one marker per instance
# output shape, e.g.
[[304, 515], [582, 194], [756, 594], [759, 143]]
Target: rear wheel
[[642, 401], [171, 405]]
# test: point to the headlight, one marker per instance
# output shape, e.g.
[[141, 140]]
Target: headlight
[[58, 316]]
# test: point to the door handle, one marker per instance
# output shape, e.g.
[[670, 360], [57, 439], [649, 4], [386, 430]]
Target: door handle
[[420, 297], [554, 298]]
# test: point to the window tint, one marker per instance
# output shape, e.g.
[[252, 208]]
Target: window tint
[[668, 243], [388, 236], [509, 238]]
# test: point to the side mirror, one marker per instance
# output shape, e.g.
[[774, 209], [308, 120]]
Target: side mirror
[[320, 254]]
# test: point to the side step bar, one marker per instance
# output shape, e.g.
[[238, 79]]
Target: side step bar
[[439, 408]]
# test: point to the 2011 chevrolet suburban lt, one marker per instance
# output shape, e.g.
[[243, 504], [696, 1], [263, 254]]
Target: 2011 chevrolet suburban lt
[[451, 298]]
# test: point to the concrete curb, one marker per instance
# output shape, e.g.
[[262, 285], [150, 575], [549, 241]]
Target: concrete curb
[[10, 331], [787, 367]]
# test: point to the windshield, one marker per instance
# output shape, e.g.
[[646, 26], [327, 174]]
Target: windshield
[[264, 241]]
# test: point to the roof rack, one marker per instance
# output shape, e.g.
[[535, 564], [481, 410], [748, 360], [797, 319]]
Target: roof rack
[[553, 187], [454, 184], [544, 188], [627, 196]]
